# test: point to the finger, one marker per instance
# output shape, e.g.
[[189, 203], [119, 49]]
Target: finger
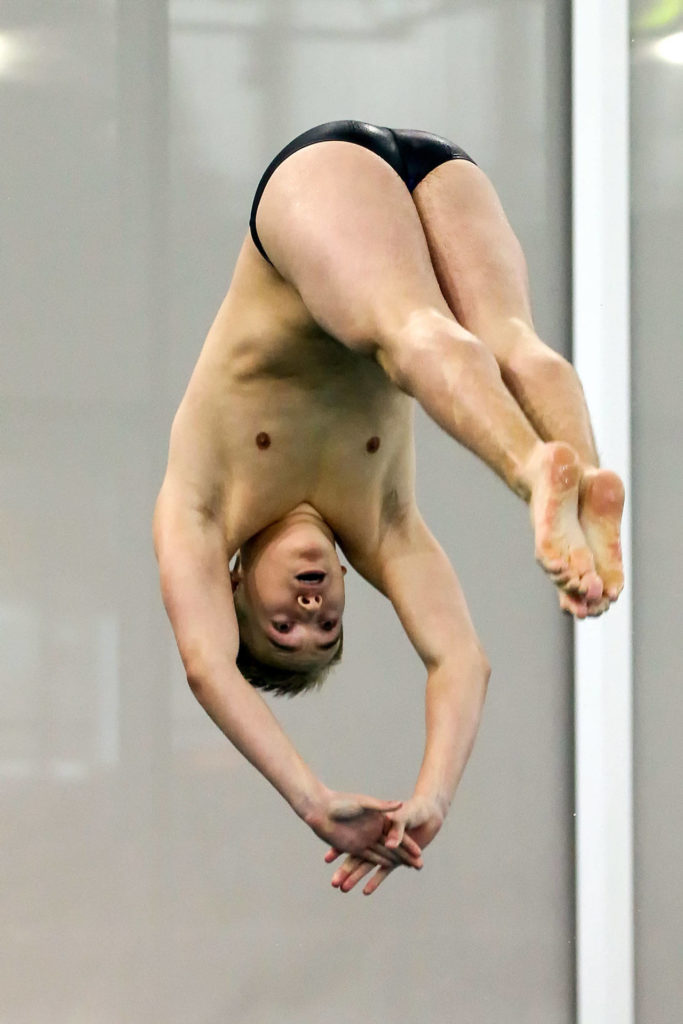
[[361, 871], [395, 834], [411, 845], [353, 862], [378, 854], [342, 873], [332, 854], [400, 856], [347, 810], [369, 803], [376, 880], [407, 841]]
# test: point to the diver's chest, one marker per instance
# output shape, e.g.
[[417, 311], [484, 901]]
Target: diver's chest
[[308, 433], [341, 446], [317, 406]]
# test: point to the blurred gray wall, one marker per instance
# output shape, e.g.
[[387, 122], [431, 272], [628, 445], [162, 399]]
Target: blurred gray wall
[[657, 229], [148, 873]]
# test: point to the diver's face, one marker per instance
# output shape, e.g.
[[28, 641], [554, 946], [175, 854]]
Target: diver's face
[[290, 590]]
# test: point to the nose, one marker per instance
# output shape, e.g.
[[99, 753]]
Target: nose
[[310, 602]]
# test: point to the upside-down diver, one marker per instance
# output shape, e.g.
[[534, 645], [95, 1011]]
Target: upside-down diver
[[379, 269]]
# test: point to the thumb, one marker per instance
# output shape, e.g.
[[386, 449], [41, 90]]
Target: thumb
[[345, 810], [369, 803], [394, 836], [350, 808]]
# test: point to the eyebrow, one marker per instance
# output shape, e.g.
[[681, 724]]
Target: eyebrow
[[295, 650]]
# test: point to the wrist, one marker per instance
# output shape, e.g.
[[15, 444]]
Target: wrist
[[311, 804], [437, 803]]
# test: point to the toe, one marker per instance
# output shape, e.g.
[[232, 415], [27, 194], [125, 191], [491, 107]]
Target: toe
[[599, 608], [593, 587], [574, 605], [550, 563], [581, 561]]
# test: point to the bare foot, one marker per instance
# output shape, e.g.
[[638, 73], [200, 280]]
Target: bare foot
[[578, 606], [601, 502], [561, 547]]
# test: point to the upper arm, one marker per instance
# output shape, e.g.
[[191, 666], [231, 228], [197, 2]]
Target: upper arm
[[195, 584], [421, 583]]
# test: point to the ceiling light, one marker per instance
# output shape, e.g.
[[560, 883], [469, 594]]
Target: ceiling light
[[670, 48], [15, 52]]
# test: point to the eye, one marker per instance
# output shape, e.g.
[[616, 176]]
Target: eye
[[329, 626], [282, 627]]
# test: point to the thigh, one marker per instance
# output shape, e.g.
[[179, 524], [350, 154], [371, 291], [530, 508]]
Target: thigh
[[340, 225], [477, 258]]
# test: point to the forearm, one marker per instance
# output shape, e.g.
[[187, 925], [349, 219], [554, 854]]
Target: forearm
[[247, 721], [195, 585], [453, 704]]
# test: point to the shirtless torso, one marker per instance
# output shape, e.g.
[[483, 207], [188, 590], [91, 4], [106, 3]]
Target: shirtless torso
[[280, 417], [289, 417]]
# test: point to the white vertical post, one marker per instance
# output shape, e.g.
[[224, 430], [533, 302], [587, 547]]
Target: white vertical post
[[603, 648]]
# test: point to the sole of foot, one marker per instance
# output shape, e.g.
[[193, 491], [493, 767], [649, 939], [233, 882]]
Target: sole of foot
[[562, 549], [601, 503]]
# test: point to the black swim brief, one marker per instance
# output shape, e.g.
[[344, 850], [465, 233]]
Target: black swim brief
[[412, 154]]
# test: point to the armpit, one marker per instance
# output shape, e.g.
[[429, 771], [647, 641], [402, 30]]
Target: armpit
[[393, 509]]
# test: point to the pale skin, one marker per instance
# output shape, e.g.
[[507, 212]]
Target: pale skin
[[375, 297]]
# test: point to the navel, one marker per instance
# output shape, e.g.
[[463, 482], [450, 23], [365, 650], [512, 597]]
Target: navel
[[373, 444], [263, 440]]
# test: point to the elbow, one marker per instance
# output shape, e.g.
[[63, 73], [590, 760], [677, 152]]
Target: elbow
[[466, 662], [159, 525], [208, 679], [483, 665], [195, 680], [196, 674], [479, 665]]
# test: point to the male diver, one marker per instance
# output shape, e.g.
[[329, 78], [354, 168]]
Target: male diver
[[379, 268]]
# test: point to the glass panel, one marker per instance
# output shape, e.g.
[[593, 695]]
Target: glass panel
[[148, 873], [656, 161]]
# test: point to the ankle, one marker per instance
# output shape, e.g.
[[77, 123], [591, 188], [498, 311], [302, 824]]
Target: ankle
[[529, 472]]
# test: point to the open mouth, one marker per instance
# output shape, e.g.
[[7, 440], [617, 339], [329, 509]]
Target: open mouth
[[311, 577]]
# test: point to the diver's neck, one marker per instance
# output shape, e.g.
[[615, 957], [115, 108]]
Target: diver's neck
[[305, 507], [303, 511], [308, 511]]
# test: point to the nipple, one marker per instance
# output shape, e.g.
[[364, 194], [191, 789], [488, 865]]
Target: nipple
[[373, 444], [262, 440]]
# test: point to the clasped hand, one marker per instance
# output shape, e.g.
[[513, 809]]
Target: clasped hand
[[381, 834]]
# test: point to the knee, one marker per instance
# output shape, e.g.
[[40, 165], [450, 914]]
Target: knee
[[533, 360], [427, 337]]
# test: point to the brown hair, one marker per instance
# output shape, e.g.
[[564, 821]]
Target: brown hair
[[283, 681]]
